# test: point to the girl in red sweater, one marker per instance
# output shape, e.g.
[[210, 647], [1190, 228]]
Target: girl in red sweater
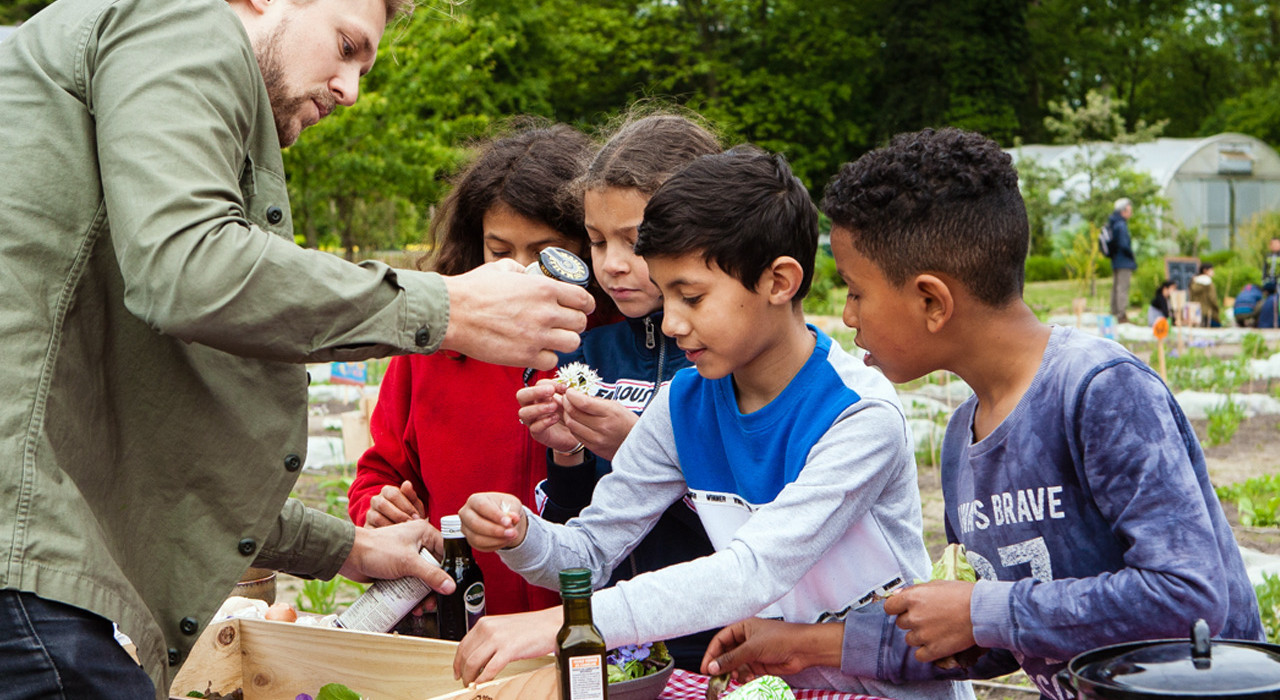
[[446, 425]]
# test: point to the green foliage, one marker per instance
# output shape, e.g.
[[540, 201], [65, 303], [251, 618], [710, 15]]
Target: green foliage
[[1252, 238], [827, 291], [1224, 421], [1082, 260], [1197, 371], [337, 691], [334, 491], [324, 597], [1257, 500], [1269, 604], [1042, 268], [1254, 346]]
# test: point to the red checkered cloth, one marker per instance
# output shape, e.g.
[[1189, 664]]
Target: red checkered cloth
[[684, 685]]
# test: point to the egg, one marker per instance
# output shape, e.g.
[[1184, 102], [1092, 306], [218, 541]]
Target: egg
[[281, 612]]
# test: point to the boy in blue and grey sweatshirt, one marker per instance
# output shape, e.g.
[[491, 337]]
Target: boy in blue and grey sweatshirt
[[795, 455], [1071, 476]]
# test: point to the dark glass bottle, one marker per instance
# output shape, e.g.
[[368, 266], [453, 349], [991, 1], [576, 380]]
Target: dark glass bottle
[[459, 611], [580, 647]]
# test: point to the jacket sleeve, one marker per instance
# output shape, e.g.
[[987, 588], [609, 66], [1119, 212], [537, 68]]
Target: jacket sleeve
[[1133, 455], [1124, 244], [174, 141], [392, 458], [306, 543]]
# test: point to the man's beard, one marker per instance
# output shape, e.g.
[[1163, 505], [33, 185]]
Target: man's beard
[[284, 107]]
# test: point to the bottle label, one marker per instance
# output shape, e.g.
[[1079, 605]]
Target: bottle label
[[586, 677], [473, 600], [385, 602]]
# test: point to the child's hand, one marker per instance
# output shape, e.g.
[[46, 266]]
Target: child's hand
[[497, 640], [394, 505], [757, 647], [541, 409], [492, 521], [600, 424], [935, 616]]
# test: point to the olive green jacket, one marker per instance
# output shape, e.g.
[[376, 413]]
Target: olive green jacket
[[154, 315]]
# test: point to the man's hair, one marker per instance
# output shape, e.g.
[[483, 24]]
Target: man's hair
[[944, 201], [1123, 203], [529, 171], [740, 210], [643, 151]]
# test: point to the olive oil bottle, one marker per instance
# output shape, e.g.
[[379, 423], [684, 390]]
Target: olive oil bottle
[[459, 611], [579, 645]]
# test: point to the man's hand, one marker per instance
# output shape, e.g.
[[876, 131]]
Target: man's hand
[[392, 552], [501, 315], [540, 409], [755, 647], [492, 521], [935, 616], [394, 505], [497, 640], [600, 424]]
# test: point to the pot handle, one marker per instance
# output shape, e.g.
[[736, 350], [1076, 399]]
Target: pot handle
[[1200, 640], [1064, 680]]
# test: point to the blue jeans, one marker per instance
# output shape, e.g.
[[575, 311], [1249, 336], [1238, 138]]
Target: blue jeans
[[52, 650]]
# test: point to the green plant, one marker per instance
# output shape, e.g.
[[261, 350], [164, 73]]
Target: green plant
[[1042, 268], [1257, 500], [1224, 421], [334, 491], [323, 597], [1253, 345], [1269, 604], [826, 287]]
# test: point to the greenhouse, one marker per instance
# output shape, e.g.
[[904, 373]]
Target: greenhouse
[[1215, 184]]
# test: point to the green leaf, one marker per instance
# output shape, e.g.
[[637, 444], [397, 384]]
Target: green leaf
[[337, 691]]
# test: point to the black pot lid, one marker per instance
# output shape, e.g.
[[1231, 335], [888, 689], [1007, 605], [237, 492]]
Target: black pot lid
[[1174, 667]]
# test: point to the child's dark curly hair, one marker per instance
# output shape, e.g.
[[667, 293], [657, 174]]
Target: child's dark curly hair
[[944, 201]]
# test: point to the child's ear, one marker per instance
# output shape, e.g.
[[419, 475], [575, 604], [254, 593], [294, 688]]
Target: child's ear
[[781, 280], [935, 296]]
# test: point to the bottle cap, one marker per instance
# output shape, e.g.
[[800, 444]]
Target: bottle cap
[[451, 526], [560, 264], [575, 583]]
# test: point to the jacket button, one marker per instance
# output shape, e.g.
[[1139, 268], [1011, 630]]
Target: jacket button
[[422, 337], [188, 625], [173, 657], [274, 215], [293, 463], [247, 546]]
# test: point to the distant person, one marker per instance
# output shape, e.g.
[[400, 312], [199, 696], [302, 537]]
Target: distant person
[[1123, 262], [1271, 264], [1203, 291], [1267, 310], [1159, 307], [1071, 476], [1245, 308]]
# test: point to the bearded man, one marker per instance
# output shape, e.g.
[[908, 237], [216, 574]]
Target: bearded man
[[156, 315]]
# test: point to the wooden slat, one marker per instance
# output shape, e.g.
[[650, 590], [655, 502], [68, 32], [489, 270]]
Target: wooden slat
[[278, 660]]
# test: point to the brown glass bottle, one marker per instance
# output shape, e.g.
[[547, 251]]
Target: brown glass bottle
[[459, 611], [580, 647]]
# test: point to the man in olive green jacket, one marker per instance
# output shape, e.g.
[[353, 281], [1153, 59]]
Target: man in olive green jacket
[[155, 314]]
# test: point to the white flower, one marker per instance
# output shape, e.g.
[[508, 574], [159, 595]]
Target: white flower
[[577, 375]]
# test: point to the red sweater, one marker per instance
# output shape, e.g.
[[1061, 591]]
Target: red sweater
[[447, 423]]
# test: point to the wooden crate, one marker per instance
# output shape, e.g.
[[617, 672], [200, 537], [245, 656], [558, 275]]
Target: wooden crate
[[279, 660]]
